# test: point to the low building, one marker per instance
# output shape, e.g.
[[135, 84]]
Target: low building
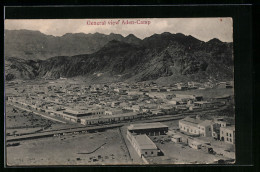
[[227, 134], [190, 126], [177, 138], [80, 113], [180, 87], [108, 118], [215, 131], [151, 129], [205, 128], [220, 122], [196, 127], [194, 144], [143, 145]]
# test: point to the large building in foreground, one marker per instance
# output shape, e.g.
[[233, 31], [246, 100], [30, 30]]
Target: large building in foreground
[[137, 135], [151, 129], [143, 145]]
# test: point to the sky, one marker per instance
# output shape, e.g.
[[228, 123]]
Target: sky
[[204, 29]]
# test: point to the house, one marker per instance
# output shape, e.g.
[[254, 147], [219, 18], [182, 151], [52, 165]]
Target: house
[[181, 87], [154, 89], [115, 104], [203, 104], [176, 138], [163, 90], [205, 128], [190, 126], [196, 127], [175, 101], [194, 144], [227, 134], [215, 131], [220, 122]]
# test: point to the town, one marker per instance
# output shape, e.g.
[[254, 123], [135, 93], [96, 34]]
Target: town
[[157, 123]]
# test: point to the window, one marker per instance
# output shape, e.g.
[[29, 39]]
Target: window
[[227, 139], [145, 153], [152, 152], [230, 135], [230, 140], [227, 134]]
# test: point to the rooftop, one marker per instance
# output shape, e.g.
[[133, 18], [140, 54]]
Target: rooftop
[[177, 136], [232, 128], [147, 126], [205, 123], [202, 102], [192, 120], [145, 142], [110, 116]]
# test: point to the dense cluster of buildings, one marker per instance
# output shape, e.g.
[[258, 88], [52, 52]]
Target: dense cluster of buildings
[[105, 103]]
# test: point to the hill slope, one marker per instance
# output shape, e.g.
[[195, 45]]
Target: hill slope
[[35, 45], [174, 57]]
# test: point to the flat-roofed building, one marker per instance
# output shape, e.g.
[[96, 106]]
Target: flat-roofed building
[[143, 145], [227, 134], [89, 120], [205, 128], [151, 129], [203, 104], [190, 125], [195, 144], [176, 138], [77, 113]]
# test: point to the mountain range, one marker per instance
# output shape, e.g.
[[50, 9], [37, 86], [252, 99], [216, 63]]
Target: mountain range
[[110, 58]]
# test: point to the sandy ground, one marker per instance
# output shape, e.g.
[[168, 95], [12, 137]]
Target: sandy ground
[[71, 150], [20, 118], [208, 93], [182, 154], [22, 122]]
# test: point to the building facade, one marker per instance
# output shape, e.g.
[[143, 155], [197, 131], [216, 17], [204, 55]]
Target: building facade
[[195, 127], [227, 134], [143, 145], [151, 129]]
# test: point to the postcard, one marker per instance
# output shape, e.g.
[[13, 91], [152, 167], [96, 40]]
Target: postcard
[[120, 91]]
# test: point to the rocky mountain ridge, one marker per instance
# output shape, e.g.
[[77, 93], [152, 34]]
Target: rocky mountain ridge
[[175, 57]]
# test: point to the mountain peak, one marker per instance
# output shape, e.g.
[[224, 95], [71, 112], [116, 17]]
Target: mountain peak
[[131, 36], [132, 39], [24, 31], [214, 40], [166, 33]]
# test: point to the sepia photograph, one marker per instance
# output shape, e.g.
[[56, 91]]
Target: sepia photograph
[[119, 91]]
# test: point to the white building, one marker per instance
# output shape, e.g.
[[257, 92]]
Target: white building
[[143, 145], [196, 127], [227, 134]]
